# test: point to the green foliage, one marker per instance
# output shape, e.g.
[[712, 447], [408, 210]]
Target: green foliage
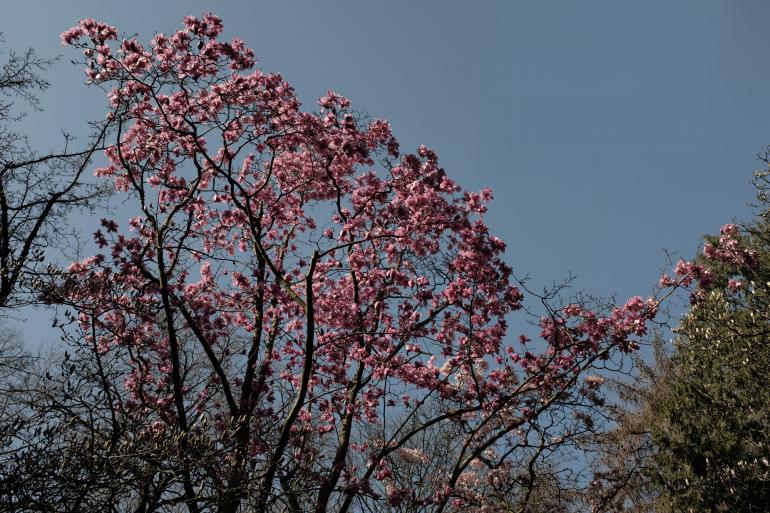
[[710, 416]]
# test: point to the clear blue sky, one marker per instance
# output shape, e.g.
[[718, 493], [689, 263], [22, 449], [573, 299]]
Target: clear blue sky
[[608, 130]]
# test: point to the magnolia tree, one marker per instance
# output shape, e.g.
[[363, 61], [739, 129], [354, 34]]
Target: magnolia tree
[[306, 318]]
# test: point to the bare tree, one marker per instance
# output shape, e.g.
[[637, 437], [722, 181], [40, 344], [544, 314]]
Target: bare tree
[[38, 189], [41, 455], [625, 476]]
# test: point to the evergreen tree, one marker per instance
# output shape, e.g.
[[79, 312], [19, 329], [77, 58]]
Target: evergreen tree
[[697, 439]]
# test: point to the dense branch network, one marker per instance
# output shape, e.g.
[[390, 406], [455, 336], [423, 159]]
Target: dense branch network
[[299, 312]]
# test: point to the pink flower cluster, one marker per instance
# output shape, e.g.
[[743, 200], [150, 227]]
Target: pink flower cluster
[[728, 251], [99, 33]]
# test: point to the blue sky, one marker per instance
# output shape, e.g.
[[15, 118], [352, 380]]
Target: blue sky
[[610, 131]]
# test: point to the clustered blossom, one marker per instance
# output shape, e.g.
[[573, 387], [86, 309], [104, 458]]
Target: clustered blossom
[[594, 381], [412, 455], [99, 33], [727, 251], [302, 255]]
